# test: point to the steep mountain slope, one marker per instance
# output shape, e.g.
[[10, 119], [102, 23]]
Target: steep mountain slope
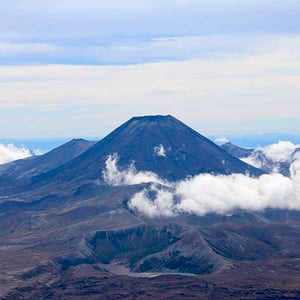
[[161, 144], [26, 168], [236, 151]]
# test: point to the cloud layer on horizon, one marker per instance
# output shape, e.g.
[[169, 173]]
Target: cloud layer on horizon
[[205, 93]]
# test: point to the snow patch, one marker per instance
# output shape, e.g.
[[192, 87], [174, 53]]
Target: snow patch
[[160, 150]]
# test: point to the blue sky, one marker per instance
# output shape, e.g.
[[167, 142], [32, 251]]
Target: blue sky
[[80, 68]]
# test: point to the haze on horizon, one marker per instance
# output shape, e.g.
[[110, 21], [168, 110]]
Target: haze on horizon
[[73, 68]]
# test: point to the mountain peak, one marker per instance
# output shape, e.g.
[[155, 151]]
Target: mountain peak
[[160, 144], [153, 118], [236, 151]]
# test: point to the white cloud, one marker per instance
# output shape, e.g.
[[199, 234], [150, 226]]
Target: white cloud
[[114, 176], [295, 175], [106, 20], [221, 140], [206, 193], [271, 157], [161, 205], [222, 194], [160, 150], [37, 152], [280, 152], [10, 152], [254, 160], [203, 91]]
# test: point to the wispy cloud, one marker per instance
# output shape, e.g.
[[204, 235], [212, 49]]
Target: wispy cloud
[[74, 21], [98, 32], [143, 50], [114, 176]]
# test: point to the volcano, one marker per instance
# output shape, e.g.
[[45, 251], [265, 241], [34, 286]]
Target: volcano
[[160, 144], [68, 234]]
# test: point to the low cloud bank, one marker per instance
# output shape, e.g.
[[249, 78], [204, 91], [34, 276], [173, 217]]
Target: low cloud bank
[[10, 153], [206, 193]]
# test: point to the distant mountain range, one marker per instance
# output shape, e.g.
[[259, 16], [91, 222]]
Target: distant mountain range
[[20, 171], [237, 151], [68, 234], [259, 159]]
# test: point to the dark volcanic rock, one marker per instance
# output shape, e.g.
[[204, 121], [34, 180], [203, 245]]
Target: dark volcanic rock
[[183, 152], [236, 150], [132, 243]]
